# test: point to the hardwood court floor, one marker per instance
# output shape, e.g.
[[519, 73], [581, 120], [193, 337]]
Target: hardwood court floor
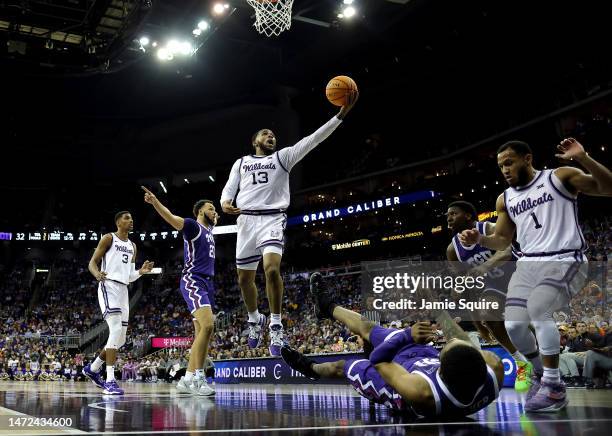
[[274, 409]]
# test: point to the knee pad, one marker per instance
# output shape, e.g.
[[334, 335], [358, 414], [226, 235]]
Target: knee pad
[[114, 332]]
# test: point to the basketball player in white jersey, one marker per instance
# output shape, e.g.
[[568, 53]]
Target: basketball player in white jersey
[[118, 257], [261, 181], [540, 206]]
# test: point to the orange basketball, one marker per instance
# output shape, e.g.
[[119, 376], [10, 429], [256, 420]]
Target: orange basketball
[[338, 89]]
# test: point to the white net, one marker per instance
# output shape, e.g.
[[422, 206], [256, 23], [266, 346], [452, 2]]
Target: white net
[[272, 16]]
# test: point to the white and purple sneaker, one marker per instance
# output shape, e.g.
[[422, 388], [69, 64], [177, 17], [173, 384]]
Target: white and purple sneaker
[[93, 376], [112, 388], [255, 331], [549, 398], [535, 384], [277, 340]]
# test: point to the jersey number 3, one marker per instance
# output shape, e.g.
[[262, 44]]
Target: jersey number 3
[[125, 258], [262, 177]]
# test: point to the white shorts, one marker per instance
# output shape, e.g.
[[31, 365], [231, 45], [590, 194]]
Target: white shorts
[[566, 272], [259, 235], [114, 299]]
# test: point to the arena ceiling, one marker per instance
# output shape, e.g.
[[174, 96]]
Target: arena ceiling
[[437, 72]]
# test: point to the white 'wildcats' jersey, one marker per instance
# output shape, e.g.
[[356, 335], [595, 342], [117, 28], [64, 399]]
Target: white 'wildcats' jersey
[[264, 184], [117, 261], [545, 215]]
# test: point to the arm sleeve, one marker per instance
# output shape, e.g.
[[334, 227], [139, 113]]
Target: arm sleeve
[[386, 351], [190, 229], [290, 156], [233, 182]]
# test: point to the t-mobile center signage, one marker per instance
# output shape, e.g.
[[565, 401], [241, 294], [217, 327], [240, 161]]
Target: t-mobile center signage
[[171, 342]]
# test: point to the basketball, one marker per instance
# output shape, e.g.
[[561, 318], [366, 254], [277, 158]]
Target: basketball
[[338, 89]]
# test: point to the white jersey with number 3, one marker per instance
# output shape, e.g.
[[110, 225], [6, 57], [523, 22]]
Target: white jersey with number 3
[[545, 215], [117, 261]]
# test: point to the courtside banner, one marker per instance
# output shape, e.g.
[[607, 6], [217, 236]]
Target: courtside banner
[[171, 342], [274, 370]]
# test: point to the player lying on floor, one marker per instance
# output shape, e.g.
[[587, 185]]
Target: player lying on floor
[[402, 372]]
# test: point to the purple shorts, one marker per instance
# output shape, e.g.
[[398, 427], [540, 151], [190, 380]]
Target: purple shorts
[[198, 291]]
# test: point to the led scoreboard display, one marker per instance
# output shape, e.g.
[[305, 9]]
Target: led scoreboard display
[[58, 235]]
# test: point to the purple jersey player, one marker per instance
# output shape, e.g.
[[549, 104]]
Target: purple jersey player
[[402, 372], [197, 285]]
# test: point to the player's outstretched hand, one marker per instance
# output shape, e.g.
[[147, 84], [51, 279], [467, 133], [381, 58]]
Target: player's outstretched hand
[[149, 197], [228, 208], [146, 267], [469, 237], [422, 332], [101, 276], [570, 149], [351, 99]]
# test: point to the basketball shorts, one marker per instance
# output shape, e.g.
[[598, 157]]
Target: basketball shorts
[[258, 235], [567, 272], [198, 291], [114, 299]]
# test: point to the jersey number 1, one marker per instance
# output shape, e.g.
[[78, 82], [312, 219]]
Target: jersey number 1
[[535, 219], [262, 177]]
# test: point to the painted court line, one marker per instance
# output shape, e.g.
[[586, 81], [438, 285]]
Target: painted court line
[[338, 427]]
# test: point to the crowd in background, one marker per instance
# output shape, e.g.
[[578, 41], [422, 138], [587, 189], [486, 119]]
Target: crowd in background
[[68, 304]]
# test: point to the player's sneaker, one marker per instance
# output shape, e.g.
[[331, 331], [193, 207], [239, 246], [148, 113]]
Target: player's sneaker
[[203, 389], [299, 362], [524, 370], [277, 339], [256, 331], [549, 398], [182, 386], [93, 376], [112, 388], [200, 387], [534, 386], [322, 302]]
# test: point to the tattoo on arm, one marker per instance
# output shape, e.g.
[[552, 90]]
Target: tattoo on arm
[[450, 328]]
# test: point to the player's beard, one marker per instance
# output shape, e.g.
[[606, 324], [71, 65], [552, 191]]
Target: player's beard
[[522, 177]]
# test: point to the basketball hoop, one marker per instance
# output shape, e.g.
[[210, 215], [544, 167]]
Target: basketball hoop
[[272, 17]]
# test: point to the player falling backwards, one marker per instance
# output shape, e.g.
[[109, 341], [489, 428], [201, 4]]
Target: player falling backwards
[[540, 207], [460, 216], [402, 372], [117, 254], [197, 284], [261, 181]]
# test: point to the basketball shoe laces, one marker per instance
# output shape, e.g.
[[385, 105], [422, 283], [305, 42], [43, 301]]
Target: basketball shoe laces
[[254, 330], [276, 337]]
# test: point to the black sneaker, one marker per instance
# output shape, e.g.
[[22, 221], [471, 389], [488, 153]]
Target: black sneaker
[[579, 382], [299, 362], [322, 301]]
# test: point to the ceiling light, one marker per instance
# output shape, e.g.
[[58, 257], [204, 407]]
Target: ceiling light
[[163, 54], [349, 12], [218, 8]]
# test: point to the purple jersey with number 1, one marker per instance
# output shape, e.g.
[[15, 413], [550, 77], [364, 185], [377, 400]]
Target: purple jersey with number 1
[[197, 284]]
